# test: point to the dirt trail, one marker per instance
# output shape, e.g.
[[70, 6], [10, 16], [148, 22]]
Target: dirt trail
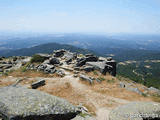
[[97, 99]]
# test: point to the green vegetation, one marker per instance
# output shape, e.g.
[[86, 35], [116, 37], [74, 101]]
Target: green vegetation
[[111, 81], [24, 69], [37, 59], [95, 72], [101, 79], [144, 72]]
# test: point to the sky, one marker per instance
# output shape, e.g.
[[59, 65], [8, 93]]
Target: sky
[[87, 16]]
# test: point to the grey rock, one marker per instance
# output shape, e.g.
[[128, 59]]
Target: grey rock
[[88, 68], [46, 68], [46, 62], [82, 61], [136, 111], [18, 103], [38, 83], [54, 61], [60, 73], [85, 117], [7, 66], [91, 59], [77, 68], [46, 56], [101, 66], [122, 85], [75, 75], [130, 87], [59, 53], [113, 64], [154, 90], [109, 58], [136, 90], [89, 55], [86, 78], [69, 56]]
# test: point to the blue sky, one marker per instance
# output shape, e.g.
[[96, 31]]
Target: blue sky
[[102, 16]]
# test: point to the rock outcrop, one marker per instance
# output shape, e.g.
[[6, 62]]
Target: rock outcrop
[[18, 103], [136, 111]]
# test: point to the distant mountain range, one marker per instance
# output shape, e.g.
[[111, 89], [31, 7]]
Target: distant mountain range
[[44, 48]]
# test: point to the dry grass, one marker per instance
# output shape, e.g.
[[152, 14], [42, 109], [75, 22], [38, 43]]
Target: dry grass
[[64, 90], [110, 87], [5, 83], [30, 73]]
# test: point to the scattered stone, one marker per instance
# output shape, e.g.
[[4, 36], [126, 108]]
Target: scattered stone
[[75, 75], [86, 78], [60, 73], [32, 104], [136, 90], [122, 85], [136, 111], [130, 87], [46, 68], [38, 83]]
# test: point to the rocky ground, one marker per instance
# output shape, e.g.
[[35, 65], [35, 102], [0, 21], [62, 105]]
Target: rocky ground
[[87, 82]]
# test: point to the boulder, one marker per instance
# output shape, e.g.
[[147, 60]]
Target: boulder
[[109, 58], [136, 90], [86, 78], [18, 103], [82, 61], [59, 53], [53, 61], [101, 66], [136, 111], [154, 90], [130, 87], [88, 68], [7, 66], [46, 68], [38, 83], [69, 57], [60, 73], [113, 64], [45, 56], [89, 55], [91, 59], [85, 117]]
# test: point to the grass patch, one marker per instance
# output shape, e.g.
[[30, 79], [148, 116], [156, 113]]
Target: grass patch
[[37, 59], [23, 69], [101, 79], [95, 72], [156, 98], [111, 81], [84, 115]]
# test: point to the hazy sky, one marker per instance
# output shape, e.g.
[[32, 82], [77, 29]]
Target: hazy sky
[[131, 16]]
